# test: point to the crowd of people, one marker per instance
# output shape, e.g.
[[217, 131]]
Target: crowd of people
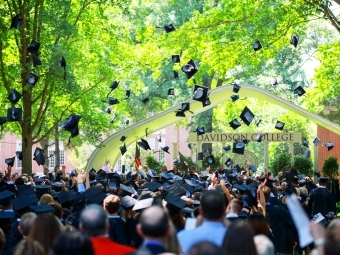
[[178, 211]]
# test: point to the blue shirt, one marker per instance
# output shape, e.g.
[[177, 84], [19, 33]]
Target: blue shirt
[[209, 231]]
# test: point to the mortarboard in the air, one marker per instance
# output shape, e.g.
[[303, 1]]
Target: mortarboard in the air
[[144, 144], [127, 93], [175, 59], [33, 47], [206, 102], [329, 145], [71, 124], [65, 196], [229, 162], [175, 74], [200, 131], [234, 98], [145, 100], [113, 101], [165, 149], [126, 121], [299, 91], [108, 110], [305, 143], [189, 69], [200, 156], [114, 85], [242, 187], [306, 154], [257, 122], [123, 149], [174, 203], [279, 125], [123, 138], [210, 160], [142, 204], [3, 120], [14, 96], [234, 124], [42, 208], [5, 197], [14, 114], [16, 21], [10, 161], [176, 161], [180, 114], [21, 202], [257, 46], [185, 107], [36, 60], [7, 215], [258, 138], [316, 141], [236, 88], [94, 195], [189, 146], [39, 156], [127, 202], [253, 168], [62, 62], [238, 147], [32, 79], [127, 189], [171, 92], [247, 116], [275, 82], [153, 186], [200, 93], [169, 28], [294, 40]]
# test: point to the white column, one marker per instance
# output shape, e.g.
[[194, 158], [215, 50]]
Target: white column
[[316, 162], [266, 154], [199, 149], [175, 150], [291, 151]]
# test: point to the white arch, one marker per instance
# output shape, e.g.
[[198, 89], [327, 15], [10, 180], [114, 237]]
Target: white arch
[[218, 95]]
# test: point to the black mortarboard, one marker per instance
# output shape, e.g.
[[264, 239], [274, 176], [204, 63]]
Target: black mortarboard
[[14, 114], [316, 141], [306, 154], [32, 79], [174, 202], [165, 149], [189, 69], [62, 62], [127, 202], [56, 186], [65, 196], [42, 208], [210, 160], [39, 156], [323, 179], [185, 107], [127, 189], [142, 204], [238, 147], [169, 28], [274, 82], [144, 144], [3, 120], [114, 85], [206, 102], [16, 21], [247, 116], [229, 162], [33, 47], [123, 138], [71, 124], [305, 143], [175, 74], [253, 168], [14, 96], [329, 145], [123, 149], [200, 131], [175, 58], [36, 60], [258, 138], [227, 148], [294, 40], [7, 215], [24, 189], [21, 202], [234, 124], [279, 125], [113, 101], [145, 100], [200, 93], [299, 91], [200, 156], [171, 92], [127, 93], [236, 88], [257, 46], [241, 187], [5, 197], [94, 195], [153, 186], [10, 161], [234, 98], [189, 146], [180, 114], [176, 161]]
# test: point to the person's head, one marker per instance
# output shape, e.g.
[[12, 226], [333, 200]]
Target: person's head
[[58, 210], [111, 204], [72, 243], [175, 169], [220, 168], [2, 240], [26, 223], [266, 193], [323, 182], [212, 205], [205, 248], [164, 169], [46, 199], [134, 176], [270, 176], [258, 223], [46, 227], [284, 186], [263, 245], [193, 168], [29, 247], [235, 206], [19, 181], [153, 223], [332, 235], [239, 240], [93, 221]]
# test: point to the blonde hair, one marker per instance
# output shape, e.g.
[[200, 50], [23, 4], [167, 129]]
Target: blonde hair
[[2, 239], [127, 214], [29, 247], [46, 199]]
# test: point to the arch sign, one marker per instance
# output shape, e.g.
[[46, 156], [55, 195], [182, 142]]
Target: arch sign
[[163, 119]]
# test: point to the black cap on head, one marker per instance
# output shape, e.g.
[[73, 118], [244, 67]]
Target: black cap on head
[[127, 202], [144, 144], [323, 180], [169, 28], [294, 40], [279, 125], [174, 203], [165, 149], [33, 47], [16, 21], [5, 197], [175, 58], [113, 101], [247, 116], [142, 204], [14, 114], [39, 156], [210, 160], [123, 149], [329, 145], [236, 88], [42, 208], [127, 189], [200, 130], [190, 69], [153, 186], [21, 202], [65, 196], [3, 120], [238, 147], [10, 161], [145, 100], [32, 79], [94, 195], [171, 92], [71, 124], [257, 46], [114, 85], [299, 91], [234, 124], [7, 215], [14, 96], [234, 98]]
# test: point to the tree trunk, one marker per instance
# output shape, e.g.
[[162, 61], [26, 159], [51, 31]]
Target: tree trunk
[[44, 145], [56, 149]]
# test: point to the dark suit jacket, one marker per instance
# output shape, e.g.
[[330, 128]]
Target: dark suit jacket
[[149, 249], [117, 231], [15, 232], [321, 201]]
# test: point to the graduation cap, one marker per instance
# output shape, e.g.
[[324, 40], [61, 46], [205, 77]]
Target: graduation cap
[[123, 149], [7, 215], [175, 59], [210, 160], [14, 96], [185, 107], [241, 187], [145, 100], [10, 161], [247, 116], [36, 60], [123, 138], [127, 93], [229, 162], [171, 92], [275, 82], [176, 161], [14, 114], [39, 156], [32, 79], [234, 98], [323, 179], [127, 189], [33, 47], [299, 91], [56, 186], [5, 197], [127, 202], [206, 102], [166, 149], [258, 138], [144, 144], [329, 145], [42, 208], [165, 175], [227, 148], [305, 143], [294, 40], [21, 202], [180, 114], [19, 155], [113, 101], [234, 124], [238, 147], [189, 69], [114, 85], [174, 203], [175, 74], [169, 28], [253, 168], [94, 195], [316, 141], [3, 120], [16, 21], [257, 46], [62, 62], [142, 204], [153, 186], [236, 88], [71, 124], [200, 131], [279, 125], [65, 196]]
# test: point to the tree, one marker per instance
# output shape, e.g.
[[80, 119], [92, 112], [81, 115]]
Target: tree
[[331, 167], [303, 165], [279, 162]]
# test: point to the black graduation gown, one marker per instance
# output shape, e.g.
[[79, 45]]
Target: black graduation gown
[[321, 201], [15, 232], [117, 231], [133, 238]]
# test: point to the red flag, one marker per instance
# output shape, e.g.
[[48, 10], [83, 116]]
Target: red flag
[[138, 163]]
